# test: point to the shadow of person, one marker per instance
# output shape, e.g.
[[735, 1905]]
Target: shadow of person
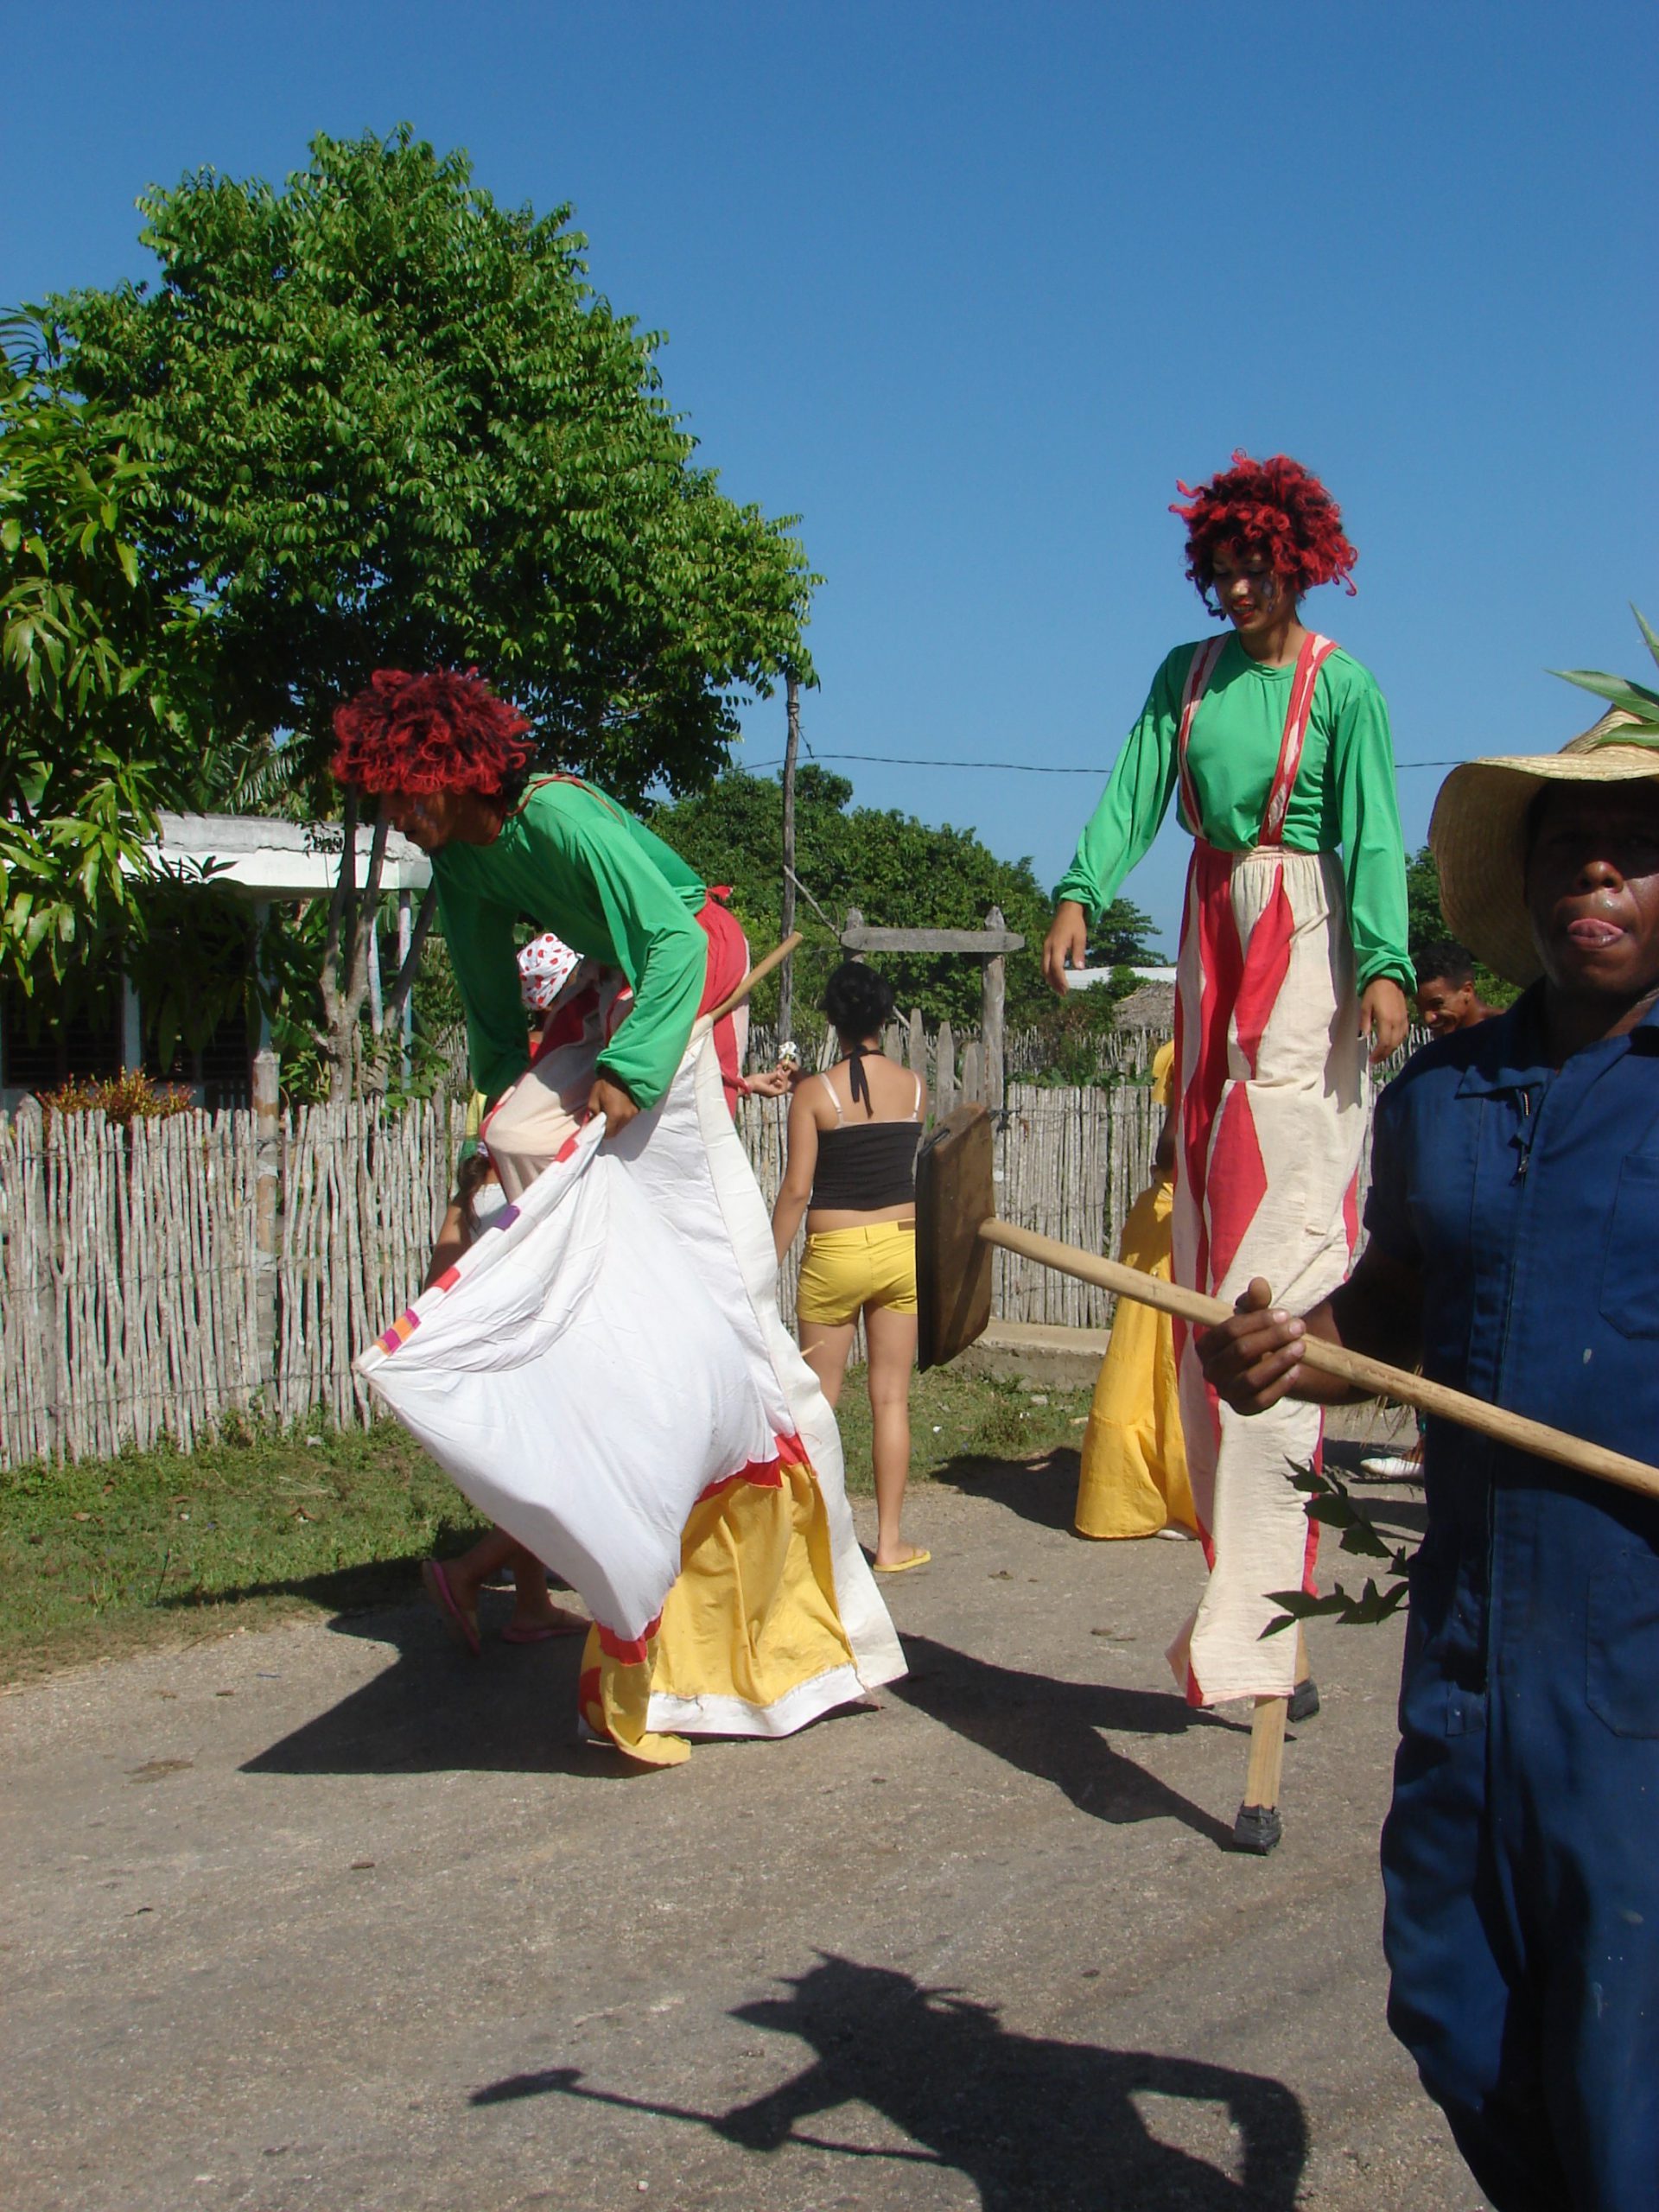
[[1051, 1729], [436, 1709], [1036, 2125], [1043, 1490]]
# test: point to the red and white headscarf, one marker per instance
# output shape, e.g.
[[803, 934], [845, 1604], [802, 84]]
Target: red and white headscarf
[[545, 966]]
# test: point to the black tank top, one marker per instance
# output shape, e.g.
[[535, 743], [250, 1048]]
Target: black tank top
[[866, 1166]]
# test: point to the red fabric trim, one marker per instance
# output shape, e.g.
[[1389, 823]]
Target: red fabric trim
[[728, 963], [1238, 1182], [447, 1280], [765, 1474], [630, 1651], [1267, 962], [1199, 671], [1314, 652]]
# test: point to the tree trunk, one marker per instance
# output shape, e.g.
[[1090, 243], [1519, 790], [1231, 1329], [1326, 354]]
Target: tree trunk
[[346, 953]]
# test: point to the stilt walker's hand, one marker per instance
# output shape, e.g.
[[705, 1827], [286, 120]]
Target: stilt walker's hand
[[1066, 944], [1382, 1017], [614, 1104], [1251, 1360]]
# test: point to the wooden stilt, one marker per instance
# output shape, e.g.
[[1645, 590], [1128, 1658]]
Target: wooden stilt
[[1258, 1828]]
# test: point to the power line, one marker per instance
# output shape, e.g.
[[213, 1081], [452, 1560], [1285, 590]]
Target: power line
[[1010, 767]]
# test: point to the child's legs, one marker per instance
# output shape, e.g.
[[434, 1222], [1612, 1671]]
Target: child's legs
[[891, 1337]]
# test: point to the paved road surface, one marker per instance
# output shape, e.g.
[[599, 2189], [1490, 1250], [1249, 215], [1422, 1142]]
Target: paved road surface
[[330, 1917]]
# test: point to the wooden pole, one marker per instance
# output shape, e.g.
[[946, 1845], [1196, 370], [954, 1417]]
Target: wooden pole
[[1374, 1378], [779, 954], [992, 995], [267, 1152], [786, 912]]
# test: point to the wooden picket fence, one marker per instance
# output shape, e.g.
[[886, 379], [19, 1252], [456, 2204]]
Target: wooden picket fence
[[143, 1294], [135, 1299]]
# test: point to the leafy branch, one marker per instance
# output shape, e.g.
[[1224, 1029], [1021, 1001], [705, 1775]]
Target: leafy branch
[[1637, 700], [1331, 1505]]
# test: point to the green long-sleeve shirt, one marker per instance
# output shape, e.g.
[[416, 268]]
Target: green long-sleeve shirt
[[1344, 796], [571, 860]]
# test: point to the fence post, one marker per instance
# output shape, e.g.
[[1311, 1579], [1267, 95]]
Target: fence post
[[993, 997], [267, 1178]]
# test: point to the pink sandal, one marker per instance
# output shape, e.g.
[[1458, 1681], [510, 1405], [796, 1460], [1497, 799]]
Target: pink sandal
[[462, 1626]]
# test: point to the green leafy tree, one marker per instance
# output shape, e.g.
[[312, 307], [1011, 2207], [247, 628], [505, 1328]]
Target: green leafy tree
[[1425, 924], [1122, 939], [393, 425], [102, 690], [897, 871]]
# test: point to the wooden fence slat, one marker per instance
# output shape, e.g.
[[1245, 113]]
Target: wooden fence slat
[[129, 1295]]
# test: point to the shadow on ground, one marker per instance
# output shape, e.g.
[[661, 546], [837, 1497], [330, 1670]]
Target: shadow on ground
[[1042, 1490], [438, 1709], [1035, 2125], [1052, 1730]]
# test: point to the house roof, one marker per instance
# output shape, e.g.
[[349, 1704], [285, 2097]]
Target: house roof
[[265, 858]]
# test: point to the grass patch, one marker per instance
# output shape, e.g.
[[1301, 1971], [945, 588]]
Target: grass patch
[[958, 1421], [165, 1546], [162, 1546]]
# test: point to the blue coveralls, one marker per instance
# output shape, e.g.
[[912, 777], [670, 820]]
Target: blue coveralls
[[1521, 1856]]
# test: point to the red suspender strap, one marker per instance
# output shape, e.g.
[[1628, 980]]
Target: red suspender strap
[[1315, 652], [1199, 672]]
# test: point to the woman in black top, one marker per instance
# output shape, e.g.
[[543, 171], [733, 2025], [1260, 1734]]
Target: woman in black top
[[853, 1135]]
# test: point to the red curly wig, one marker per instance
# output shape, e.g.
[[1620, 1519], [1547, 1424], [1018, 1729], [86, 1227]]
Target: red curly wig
[[443, 732], [1276, 508]]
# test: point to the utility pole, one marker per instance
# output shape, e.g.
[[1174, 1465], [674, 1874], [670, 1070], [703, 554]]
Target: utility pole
[[791, 746]]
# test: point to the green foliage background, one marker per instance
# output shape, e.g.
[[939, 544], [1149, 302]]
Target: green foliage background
[[897, 871]]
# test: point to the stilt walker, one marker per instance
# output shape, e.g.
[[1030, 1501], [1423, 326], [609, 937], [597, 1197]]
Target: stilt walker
[[1292, 958]]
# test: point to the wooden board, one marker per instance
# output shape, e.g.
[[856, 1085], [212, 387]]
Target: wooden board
[[982, 944], [954, 1192]]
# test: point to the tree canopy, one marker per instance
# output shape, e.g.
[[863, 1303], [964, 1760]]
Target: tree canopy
[[386, 423], [897, 871], [103, 686], [393, 425]]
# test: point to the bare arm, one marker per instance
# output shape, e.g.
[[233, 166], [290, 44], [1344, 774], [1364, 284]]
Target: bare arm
[[452, 1241], [796, 1189], [1255, 1359]]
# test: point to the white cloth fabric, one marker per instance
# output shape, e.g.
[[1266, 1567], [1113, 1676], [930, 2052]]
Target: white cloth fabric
[[1265, 1184], [612, 1346]]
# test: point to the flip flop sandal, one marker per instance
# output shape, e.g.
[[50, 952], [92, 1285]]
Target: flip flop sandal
[[462, 1626], [903, 1566], [544, 1631]]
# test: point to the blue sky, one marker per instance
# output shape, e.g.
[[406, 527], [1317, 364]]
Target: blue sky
[[968, 287]]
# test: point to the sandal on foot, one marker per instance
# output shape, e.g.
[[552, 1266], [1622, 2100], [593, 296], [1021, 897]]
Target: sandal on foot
[[567, 1623], [463, 1626], [903, 1566]]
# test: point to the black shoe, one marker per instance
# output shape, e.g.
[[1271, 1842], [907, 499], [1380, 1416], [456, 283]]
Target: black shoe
[[1257, 1829], [1304, 1701]]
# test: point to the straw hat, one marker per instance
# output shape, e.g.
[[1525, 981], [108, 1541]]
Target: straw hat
[[1479, 821]]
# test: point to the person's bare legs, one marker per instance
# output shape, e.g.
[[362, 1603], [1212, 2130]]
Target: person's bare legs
[[533, 1607], [892, 1340], [825, 1349]]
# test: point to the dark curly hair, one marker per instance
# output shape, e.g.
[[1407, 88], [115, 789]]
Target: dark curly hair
[[442, 732], [1445, 963], [858, 1002], [1275, 508]]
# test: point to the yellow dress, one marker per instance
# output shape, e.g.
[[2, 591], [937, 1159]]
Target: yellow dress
[[1134, 1477]]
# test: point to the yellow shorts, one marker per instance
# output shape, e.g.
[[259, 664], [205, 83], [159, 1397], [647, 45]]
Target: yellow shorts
[[843, 1270]]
